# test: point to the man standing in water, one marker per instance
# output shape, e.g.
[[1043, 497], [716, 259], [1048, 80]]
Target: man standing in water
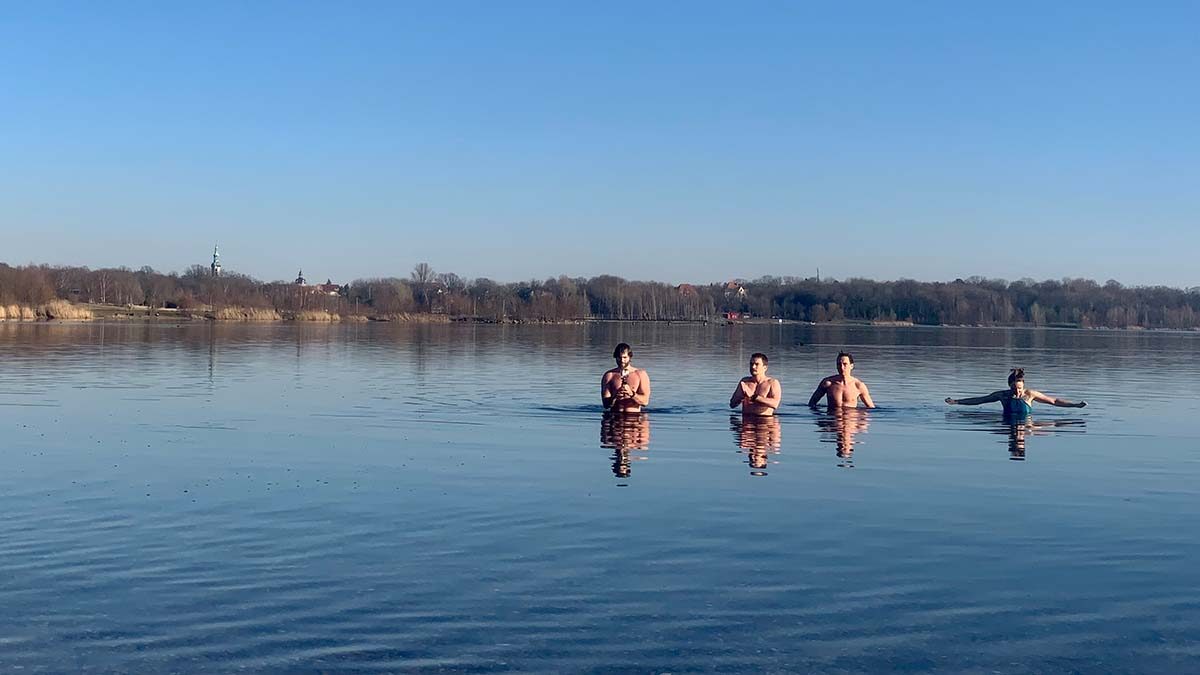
[[842, 390], [757, 394], [625, 388]]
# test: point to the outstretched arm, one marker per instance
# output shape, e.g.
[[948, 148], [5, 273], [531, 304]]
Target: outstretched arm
[[978, 400], [816, 396], [1058, 402], [865, 395]]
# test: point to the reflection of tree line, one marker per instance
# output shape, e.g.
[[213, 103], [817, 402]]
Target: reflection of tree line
[[976, 301]]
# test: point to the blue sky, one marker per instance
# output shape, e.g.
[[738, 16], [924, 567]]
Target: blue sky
[[673, 141]]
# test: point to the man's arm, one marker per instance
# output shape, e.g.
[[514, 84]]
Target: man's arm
[[642, 395], [978, 400], [773, 396], [816, 397], [865, 394], [1057, 402], [738, 394], [606, 396]]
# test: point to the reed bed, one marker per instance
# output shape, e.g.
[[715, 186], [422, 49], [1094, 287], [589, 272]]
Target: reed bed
[[244, 314], [61, 309], [55, 309], [315, 315]]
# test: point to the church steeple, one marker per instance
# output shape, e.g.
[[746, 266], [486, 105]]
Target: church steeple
[[216, 263], [300, 278]]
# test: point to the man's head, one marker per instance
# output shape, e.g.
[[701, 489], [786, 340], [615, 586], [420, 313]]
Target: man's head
[[758, 364], [845, 363], [622, 354], [1016, 381]]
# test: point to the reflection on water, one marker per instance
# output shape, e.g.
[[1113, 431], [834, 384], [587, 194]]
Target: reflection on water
[[272, 498], [1016, 428], [839, 426], [759, 437], [622, 433]]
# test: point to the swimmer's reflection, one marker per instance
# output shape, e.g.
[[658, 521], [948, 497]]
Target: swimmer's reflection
[[622, 433], [760, 437], [1018, 428], [839, 426]]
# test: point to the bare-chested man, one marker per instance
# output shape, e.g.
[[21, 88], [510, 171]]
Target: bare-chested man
[[625, 388], [758, 394], [842, 390]]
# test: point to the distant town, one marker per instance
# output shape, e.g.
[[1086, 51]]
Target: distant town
[[212, 292]]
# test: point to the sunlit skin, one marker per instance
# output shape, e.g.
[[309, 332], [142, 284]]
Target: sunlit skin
[[842, 390], [625, 388], [758, 394], [1017, 390]]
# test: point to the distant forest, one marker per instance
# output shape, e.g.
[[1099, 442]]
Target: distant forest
[[973, 301]]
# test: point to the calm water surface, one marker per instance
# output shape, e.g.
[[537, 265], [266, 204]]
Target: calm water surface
[[449, 498]]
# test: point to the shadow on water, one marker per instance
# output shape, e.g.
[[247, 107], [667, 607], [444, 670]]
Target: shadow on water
[[1016, 428], [624, 433], [759, 438]]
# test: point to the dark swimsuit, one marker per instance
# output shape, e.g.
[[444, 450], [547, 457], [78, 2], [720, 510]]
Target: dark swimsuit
[[1016, 407]]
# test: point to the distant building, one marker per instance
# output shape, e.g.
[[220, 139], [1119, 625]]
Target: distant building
[[216, 263], [329, 288], [300, 281], [687, 290], [735, 290]]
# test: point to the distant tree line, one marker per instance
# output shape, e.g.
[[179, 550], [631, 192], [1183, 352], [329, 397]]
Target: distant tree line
[[973, 301]]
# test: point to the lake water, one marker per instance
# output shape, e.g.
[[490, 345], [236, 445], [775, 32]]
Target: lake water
[[376, 497]]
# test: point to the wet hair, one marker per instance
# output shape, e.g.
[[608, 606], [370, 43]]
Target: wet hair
[[1017, 375], [622, 348], [847, 355], [759, 355]]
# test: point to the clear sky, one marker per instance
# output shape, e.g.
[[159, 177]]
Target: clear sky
[[678, 141]]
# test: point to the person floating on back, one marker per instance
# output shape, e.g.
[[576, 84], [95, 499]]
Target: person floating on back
[[624, 388], [758, 394], [1017, 400], [842, 390]]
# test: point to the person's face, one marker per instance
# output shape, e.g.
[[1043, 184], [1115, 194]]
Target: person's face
[[757, 367], [844, 365], [1018, 388], [623, 359]]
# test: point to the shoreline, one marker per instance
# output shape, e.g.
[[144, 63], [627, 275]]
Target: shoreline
[[65, 312]]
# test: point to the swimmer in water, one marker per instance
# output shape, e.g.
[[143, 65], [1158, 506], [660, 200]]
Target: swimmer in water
[[842, 390], [758, 394], [1017, 400], [624, 388]]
